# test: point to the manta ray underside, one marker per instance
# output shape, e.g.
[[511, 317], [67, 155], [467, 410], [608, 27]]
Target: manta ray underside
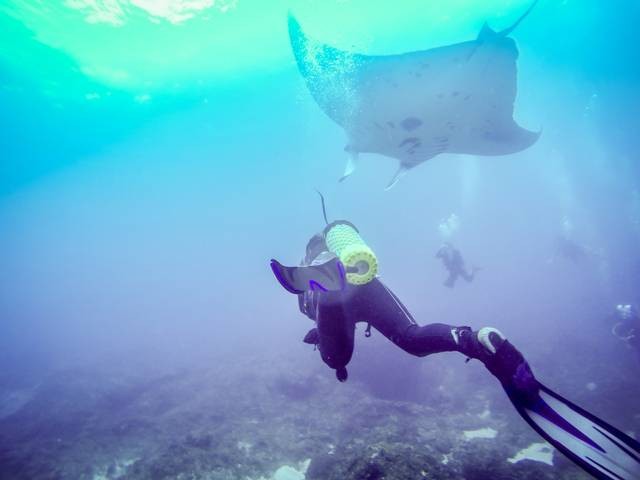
[[414, 106]]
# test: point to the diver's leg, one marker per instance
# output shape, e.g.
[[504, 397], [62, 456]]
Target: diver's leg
[[467, 276], [378, 305], [451, 280], [336, 332], [587, 440]]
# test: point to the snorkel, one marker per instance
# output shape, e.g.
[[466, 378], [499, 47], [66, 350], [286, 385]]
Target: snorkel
[[344, 241]]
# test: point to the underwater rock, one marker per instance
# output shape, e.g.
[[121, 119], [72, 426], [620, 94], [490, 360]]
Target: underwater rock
[[486, 432], [11, 402], [221, 427], [296, 387], [390, 374], [288, 473], [203, 442], [377, 461], [537, 452]]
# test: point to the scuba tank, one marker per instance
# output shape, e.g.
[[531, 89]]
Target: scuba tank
[[344, 240]]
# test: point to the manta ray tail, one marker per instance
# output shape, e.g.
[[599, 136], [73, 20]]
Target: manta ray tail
[[510, 29], [351, 165], [401, 172]]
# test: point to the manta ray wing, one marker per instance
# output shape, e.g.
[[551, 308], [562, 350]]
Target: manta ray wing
[[414, 106]]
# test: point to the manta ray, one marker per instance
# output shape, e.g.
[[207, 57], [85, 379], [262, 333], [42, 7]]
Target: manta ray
[[413, 106]]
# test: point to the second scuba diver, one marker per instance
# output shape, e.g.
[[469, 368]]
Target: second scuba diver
[[454, 263], [337, 286]]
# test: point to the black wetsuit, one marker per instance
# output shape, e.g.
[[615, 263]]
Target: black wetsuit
[[337, 312], [336, 315]]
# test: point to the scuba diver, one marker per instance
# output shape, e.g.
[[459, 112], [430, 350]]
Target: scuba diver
[[570, 250], [365, 298], [337, 286], [627, 326], [454, 263]]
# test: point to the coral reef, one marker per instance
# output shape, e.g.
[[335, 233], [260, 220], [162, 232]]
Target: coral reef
[[247, 422]]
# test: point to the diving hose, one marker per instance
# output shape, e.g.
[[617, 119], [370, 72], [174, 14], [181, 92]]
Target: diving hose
[[343, 239]]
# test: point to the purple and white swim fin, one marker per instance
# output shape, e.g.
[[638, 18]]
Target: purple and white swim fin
[[597, 447]]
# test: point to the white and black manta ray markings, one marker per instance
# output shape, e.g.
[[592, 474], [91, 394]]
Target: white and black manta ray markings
[[414, 106]]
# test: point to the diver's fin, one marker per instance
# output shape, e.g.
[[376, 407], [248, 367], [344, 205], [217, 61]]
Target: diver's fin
[[352, 163], [597, 447], [329, 276], [401, 172]]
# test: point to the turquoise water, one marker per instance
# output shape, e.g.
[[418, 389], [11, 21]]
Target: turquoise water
[[156, 155]]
